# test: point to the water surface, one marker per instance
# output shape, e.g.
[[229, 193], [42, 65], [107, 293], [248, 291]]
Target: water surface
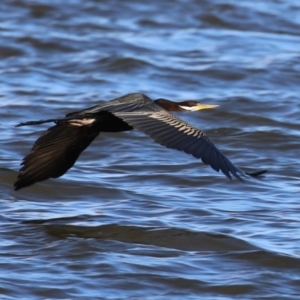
[[133, 220]]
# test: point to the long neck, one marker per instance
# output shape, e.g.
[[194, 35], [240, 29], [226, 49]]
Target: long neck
[[168, 105]]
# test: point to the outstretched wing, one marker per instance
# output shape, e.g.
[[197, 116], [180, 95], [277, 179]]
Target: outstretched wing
[[127, 103], [172, 132], [55, 152]]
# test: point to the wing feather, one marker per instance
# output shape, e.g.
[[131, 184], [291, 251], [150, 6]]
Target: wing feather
[[54, 153], [128, 103], [172, 132]]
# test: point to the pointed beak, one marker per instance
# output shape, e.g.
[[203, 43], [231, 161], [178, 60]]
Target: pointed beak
[[201, 106]]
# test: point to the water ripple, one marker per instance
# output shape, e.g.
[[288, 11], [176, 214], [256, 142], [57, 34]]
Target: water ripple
[[132, 219]]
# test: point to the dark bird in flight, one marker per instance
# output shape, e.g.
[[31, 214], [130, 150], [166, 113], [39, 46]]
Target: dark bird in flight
[[56, 151]]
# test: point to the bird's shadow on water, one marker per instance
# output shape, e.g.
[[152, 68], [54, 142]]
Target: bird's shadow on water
[[168, 241], [174, 238]]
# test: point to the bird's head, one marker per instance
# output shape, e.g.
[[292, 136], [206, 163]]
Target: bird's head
[[183, 106]]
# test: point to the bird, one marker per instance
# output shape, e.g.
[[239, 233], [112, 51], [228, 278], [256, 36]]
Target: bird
[[57, 150]]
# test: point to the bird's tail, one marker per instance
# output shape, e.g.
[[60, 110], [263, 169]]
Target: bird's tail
[[38, 122], [69, 117]]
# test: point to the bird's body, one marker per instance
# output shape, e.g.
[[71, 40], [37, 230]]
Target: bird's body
[[57, 150]]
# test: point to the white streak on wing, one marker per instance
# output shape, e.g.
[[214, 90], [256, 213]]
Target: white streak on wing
[[81, 122], [191, 131], [184, 128]]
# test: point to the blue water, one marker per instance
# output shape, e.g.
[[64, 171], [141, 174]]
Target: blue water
[[132, 219]]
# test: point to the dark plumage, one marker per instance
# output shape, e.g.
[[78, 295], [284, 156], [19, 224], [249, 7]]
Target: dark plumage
[[57, 150]]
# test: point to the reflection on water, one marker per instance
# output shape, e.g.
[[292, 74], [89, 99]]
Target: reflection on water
[[132, 218]]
